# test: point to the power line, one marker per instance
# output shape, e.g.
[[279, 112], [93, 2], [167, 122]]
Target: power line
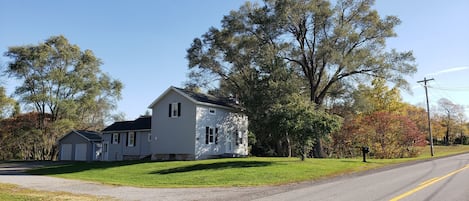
[[463, 89]]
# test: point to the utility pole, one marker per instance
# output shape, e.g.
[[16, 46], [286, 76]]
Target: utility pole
[[428, 113]]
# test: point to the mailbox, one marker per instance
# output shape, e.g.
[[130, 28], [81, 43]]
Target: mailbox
[[365, 149]]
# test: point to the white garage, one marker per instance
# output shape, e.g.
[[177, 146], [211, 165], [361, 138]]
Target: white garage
[[80, 146]]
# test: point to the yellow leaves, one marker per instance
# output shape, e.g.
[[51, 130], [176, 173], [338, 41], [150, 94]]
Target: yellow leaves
[[378, 98]]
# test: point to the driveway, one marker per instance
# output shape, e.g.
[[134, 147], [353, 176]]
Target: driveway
[[14, 173]]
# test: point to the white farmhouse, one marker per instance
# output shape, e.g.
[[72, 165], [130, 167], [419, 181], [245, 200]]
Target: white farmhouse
[[189, 126]]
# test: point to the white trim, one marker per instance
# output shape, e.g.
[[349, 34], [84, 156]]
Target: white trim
[[175, 110], [131, 138], [115, 139]]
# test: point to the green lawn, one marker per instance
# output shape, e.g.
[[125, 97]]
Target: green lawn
[[251, 171]]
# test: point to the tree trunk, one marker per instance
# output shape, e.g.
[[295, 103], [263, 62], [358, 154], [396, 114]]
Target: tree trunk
[[447, 137], [303, 152], [317, 149], [288, 145]]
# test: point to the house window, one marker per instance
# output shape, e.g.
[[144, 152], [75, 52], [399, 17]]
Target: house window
[[115, 138], [211, 135], [149, 137], [239, 137], [174, 110], [131, 139], [212, 111]]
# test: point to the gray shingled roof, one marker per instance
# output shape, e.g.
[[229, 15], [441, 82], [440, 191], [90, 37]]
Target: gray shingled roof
[[206, 98], [90, 135], [142, 123]]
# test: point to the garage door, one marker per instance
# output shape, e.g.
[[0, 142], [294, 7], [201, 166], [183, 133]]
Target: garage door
[[66, 152], [80, 152]]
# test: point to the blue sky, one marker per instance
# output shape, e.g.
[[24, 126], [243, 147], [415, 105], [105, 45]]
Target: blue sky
[[143, 43]]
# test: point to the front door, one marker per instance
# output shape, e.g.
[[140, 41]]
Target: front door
[[105, 151]]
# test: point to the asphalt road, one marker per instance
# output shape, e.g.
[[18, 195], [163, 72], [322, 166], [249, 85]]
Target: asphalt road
[[440, 179]]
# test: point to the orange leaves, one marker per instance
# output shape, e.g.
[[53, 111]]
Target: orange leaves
[[389, 135]]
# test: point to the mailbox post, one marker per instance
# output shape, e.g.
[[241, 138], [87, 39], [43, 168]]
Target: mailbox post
[[365, 150]]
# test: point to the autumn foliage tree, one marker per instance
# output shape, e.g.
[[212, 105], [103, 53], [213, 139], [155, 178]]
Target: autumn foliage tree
[[379, 119], [388, 135], [20, 137]]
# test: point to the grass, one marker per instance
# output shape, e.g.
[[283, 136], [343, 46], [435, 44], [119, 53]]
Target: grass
[[224, 172], [9, 192]]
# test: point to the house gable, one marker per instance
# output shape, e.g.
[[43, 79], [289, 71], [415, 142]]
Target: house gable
[[199, 99], [84, 136]]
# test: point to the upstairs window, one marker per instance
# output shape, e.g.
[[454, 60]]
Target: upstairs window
[[115, 138], [174, 110], [131, 139], [212, 111]]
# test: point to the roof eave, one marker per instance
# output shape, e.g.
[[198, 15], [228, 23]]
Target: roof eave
[[117, 131]]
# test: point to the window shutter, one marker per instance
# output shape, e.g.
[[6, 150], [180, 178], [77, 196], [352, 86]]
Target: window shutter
[[112, 138], [127, 141], [135, 139], [179, 109], [118, 138], [216, 135], [211, 135], [206, 135], [170, 110]]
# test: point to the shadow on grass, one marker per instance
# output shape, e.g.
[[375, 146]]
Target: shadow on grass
[[73, 167], [214, 166]]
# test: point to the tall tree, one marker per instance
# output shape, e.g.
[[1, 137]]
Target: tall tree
[[64, 85], [452, 114], [330, 46]]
